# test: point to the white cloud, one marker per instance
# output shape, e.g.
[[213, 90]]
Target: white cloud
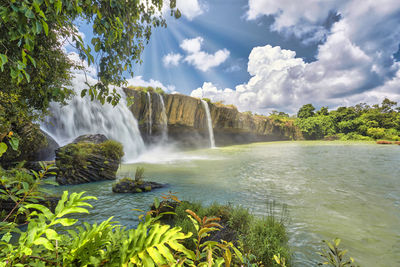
[[353, 64], [200, 59], [172, 59], [192, 45], [188, 8], [191, 8], [139, 81], [282, 81]]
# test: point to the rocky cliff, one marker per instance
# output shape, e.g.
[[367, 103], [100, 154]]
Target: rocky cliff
[[187, 122]]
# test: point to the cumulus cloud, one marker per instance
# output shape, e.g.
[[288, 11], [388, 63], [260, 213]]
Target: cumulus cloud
[[191, 8], [354, 62], [195, 56], [200, 59], [172, 59], [282, 81]]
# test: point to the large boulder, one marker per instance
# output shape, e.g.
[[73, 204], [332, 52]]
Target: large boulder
[[34, 145], [88, 159]]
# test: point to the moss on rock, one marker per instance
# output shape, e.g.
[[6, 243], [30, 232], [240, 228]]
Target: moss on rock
[[87, 162]]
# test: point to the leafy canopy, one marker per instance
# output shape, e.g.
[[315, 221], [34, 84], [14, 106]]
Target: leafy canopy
[[33, 64]]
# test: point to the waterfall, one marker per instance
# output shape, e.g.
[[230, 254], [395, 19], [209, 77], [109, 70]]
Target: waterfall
[[209, 123], [83, 116], [164, 120], [150, 120]]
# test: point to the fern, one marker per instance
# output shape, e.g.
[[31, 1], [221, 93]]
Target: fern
[[152, 244]]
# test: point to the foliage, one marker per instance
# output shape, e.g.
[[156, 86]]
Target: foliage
[[306, 111], [13, 141], [139, 174], [207, 100], [334, 256], [211, 253], [316, 127], [22, 188], [258, 239], [120, 30], [361, 122]]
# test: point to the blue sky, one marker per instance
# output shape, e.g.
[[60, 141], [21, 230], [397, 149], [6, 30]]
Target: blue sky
[[263, 55]]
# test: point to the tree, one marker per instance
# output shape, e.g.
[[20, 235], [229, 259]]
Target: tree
[[306, 111], [323, 111], [33, 64], [34, 69]]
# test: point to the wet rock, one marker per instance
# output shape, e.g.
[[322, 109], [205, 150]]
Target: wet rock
[[85, 161], [128, 185], [187, 122], [91, 138]]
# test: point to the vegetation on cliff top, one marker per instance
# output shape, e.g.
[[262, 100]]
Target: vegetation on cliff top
[[359, 122]]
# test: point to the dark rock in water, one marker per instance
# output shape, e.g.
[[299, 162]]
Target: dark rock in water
[[85, 162], [91, 138], [128, 185]]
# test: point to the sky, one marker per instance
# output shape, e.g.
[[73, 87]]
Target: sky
[[264, 55]]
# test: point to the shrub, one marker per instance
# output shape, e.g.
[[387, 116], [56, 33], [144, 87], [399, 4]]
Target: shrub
[[376, 133]]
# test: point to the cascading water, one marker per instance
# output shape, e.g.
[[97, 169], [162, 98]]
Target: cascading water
[[209, 124], [164, 121], [150, 119], [83, 116]]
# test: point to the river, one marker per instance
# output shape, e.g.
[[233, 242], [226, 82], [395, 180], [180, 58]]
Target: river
[[348, 190]]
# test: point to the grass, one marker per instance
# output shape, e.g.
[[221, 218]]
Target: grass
[[259, 238]]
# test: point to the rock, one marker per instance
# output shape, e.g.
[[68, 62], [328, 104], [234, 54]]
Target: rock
[[48, 152], [91, 138], [187, 123], [128, 185], [34, 145], [85, 162]]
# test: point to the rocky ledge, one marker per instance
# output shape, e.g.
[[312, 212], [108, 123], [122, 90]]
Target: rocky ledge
[[89, 158], [187, 122]]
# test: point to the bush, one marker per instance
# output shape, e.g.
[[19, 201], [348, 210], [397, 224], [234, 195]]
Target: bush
[[353, 136], [376, 133], [260, 237]]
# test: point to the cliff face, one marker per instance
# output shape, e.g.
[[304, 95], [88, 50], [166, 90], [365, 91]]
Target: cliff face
[[187, 122]]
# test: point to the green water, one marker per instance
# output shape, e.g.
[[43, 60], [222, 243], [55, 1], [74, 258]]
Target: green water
[[331, 189]]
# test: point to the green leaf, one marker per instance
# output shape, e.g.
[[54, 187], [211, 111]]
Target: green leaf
[[3, 148], [3, 61], [66, 222], [51, 234], [45, 242], [29, 14], [14, 143], [45, 27], [46, 212]]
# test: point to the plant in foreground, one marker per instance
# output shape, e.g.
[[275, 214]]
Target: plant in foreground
[[334, 256]]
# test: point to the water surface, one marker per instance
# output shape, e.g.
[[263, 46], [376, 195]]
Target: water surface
[[331, 189]]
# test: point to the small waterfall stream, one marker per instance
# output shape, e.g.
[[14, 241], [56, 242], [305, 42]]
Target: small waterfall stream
[[83, 116], [209, 123], [164, 121], [150, 119]]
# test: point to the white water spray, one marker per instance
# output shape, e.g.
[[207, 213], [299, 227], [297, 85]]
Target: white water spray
[[209, 123], [83, 116], [150, 118], [164, 121]]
